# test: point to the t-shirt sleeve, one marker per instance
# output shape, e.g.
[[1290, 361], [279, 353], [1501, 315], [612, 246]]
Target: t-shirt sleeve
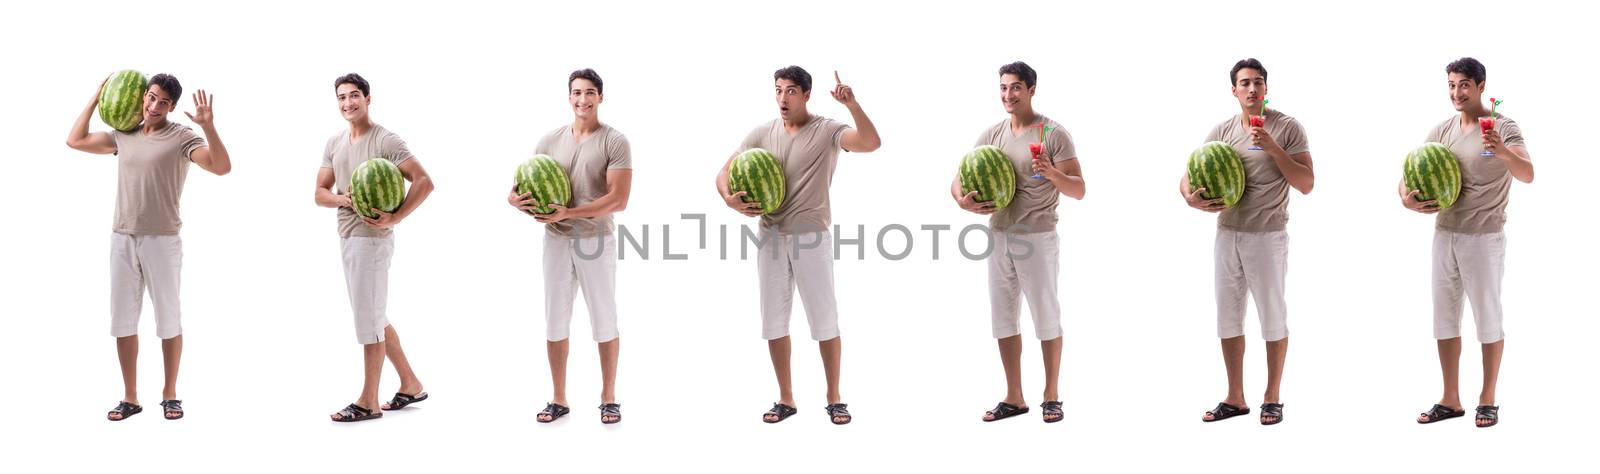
[[836, 130], [1510, 133], [1294, 138], [619, 154], [1436, 135], [1060, 146], [752, 140], [394, 148], [327, 153], [1215, 134], [191, 142]]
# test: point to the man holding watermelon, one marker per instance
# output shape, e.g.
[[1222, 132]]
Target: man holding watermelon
[[366, 238], [1252, 245], [153, 156], [1025, 258], [579, 251], [1469, 241], [796, 247]]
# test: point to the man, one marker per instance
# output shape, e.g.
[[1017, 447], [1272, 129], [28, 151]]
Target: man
[[579, 251], [146, 252], [1026, 257], [1469, 240], [1252, 245], [367, 244], [796, 246]]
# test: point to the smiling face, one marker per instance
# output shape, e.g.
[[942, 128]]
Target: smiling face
[[1250, 87], [1015, 95], [791, 100], [157, 104], [352, 103], [584, 97], [1464, 92]]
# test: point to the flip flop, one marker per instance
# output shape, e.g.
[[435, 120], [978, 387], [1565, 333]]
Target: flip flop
[[1004, 410]]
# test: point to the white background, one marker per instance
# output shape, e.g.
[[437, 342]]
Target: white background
[[270, 350]]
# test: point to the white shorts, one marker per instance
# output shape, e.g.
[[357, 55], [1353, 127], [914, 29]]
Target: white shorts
[[1252, 264], [1016, 270], [140, 262], [804, 260], [1471, 265], [589, 263], [366, 276]]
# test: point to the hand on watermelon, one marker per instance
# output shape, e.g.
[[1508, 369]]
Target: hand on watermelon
[[971, 204], [1412, 202], [557, 213], [385, 220], [1195, 200], [523, 202], [736, 202]]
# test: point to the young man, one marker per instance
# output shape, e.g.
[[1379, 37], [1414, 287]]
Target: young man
[[367, 244], [146, 252], [579, 251], [1026, 257], [796, 246], [1252, 246], [1469, 240]]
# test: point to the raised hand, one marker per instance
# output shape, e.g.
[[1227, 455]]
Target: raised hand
[[202, 109], [841, 92]]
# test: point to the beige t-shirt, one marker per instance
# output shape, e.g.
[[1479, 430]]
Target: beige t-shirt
[[808, 158], [343, 156], [586, 164], [1485, 181], [1034, 206], [1265, 205], [150, 173]]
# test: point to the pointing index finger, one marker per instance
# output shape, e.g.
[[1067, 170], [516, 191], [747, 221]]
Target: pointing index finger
[[836, 78]]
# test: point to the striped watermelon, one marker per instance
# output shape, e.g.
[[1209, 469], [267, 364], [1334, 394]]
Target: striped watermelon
[[758, 173], [987, 170], [542, 177], [1432, 169], [377, 184], [1216, 166], [122, 100]]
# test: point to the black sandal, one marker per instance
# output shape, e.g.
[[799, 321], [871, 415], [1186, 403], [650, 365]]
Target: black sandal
[[837, 411], [1004, 410], [400, 400], [169, 407], [1273, 411], [1491, 413], [613, 410], [123, 411], [1439, 413], [1225, 411], [1052, 408], [552, 412], [355, 412], [779, 412]]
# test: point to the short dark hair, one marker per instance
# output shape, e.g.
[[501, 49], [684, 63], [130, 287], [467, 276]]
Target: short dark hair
[[591, 76], [355, 79], [1022, 71], [796, 75], [1468, 67], [1246, 63], [169, 85]]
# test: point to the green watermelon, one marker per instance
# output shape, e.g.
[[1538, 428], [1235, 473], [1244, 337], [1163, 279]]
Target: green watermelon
[[1432, 170], [377, 184], [122, 100], [987, 170], [758, 173], [542, 177], [1216, 166]]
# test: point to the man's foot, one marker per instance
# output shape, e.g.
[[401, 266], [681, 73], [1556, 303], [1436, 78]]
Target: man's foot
[[1004, 410], [552, 411], [1488, 415], [1052, 411], [123, 411], [1439, 413], [1225, 411], [355, 412], [172, 409], [610, 413], [1271, 413], [779, 412], [400, 400], [838, 414]]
